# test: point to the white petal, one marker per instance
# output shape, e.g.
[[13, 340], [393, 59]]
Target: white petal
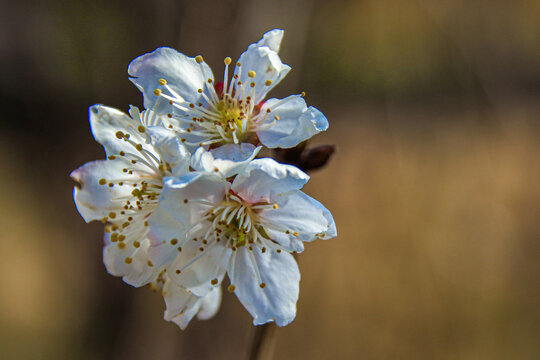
[[106, 122], [296, 122], [267, 66], [304, 218], [182, 73], [170, 149], [272, 39], [264, 178], [177, 211], [210, 304], [226, 160], [210, 264], [279, 272], [95, 201], [181, 305], [136, 271]]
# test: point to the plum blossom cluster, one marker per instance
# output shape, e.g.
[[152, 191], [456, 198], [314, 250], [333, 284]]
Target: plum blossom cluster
[[186, 201]]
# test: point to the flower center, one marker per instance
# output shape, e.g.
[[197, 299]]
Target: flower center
[[143, 172], [229, 111]]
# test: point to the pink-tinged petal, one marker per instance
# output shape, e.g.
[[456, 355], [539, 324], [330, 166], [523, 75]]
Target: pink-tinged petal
[[295, 122], [274, 297]]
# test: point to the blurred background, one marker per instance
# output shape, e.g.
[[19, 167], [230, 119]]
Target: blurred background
[[435, 186]]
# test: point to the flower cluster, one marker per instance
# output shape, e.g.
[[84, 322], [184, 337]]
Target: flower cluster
[[183, 196]]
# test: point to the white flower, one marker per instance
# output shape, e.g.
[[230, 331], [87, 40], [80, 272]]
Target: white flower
[[122, 191], [205, 113], [207, 224], [182, 305]]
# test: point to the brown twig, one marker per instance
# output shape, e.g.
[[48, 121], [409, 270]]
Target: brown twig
[[262, 341]]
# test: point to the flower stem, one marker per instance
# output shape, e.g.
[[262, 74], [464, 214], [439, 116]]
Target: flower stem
[[262, 342]]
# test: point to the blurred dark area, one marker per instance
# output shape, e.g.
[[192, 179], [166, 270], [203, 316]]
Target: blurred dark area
[[434, 108]]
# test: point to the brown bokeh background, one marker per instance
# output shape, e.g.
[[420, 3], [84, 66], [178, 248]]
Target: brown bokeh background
[[435, 186]]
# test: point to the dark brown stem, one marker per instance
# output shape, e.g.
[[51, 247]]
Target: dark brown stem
[[262, 341]]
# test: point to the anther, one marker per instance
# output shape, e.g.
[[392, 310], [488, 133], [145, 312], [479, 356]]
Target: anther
[[231, 288], [198, 59], [141, 128], [112, 215], [276, 117], [102, 181], [227, 60], [275, 206], [119, 134], [278, 251], [303, 94], [136, 244], [138, 147], [174, 241], [214, 281], [268, 82], [252, 84], [121, 245], [178, 271], [111, 157], [157, 92], [162, 82], [149, 263], [251, 73], [262, 285]]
